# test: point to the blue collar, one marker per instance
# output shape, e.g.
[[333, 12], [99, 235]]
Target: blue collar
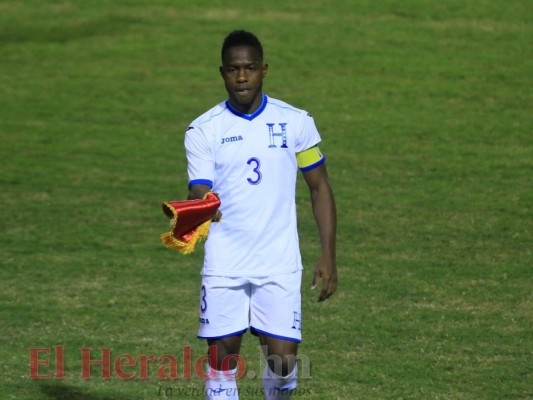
[[249, 117]]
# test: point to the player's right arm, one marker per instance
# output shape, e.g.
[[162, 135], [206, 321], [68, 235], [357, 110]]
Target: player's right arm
[[200, 165], [198, 191], [200, 162]]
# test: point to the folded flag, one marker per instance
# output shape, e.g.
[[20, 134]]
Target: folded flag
[[190, 221]]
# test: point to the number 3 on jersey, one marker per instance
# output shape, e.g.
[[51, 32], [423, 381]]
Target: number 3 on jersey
[[255, 164]]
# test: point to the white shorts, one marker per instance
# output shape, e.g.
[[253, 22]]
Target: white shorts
[[269, 305]]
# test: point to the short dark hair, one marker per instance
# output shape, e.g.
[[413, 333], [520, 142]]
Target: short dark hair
[[242, 38]]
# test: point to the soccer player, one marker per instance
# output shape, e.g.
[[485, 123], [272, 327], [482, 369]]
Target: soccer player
[[248, 150]]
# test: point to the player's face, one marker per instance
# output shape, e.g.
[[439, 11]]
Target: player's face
[[243, 71]]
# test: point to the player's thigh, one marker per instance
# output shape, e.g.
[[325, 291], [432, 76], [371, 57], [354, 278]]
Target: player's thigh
[[273, 346], [280, 354]]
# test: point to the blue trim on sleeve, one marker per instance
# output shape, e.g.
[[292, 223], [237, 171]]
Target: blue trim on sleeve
[[255, 331], [223, 336], [310, 167], [201, 182], [249, 117]]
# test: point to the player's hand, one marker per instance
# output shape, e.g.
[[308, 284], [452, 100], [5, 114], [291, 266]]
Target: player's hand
[[217, 217], [326, 270]]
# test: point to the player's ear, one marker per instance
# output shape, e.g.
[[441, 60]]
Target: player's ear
[[265, 70], [221, 70]]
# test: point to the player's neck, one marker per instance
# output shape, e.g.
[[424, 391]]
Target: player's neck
[[247, 109]]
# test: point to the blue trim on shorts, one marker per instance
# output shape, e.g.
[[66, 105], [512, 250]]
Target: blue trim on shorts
[[223, 336], [256, 332]]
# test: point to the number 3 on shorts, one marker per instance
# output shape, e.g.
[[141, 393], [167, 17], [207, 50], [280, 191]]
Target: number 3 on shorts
[[255, 163], [203, 302]]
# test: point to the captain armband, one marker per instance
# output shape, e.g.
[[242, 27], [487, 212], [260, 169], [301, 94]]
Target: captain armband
[[310, 158]]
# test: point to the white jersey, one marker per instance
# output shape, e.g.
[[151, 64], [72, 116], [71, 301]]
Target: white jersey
[[250, 162]]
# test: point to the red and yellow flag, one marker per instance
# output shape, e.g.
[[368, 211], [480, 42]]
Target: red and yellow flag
[[190, 221]]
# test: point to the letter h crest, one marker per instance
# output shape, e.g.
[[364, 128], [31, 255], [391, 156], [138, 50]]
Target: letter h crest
[[297, 322], [282, 134]]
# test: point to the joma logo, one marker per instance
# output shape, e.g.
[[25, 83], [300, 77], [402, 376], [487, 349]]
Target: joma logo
[[231, 139]]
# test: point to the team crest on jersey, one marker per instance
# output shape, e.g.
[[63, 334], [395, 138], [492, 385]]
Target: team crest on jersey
[[276, 133], [230, 139]]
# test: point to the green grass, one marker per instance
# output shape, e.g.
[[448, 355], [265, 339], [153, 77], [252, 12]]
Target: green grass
[[425, 111]]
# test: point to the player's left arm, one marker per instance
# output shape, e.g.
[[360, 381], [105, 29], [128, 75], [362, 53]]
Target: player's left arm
[[325, 213]]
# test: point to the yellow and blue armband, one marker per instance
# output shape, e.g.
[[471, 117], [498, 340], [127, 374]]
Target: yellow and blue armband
[[310, 158]]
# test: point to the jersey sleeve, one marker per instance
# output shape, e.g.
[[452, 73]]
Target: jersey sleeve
[[200, 159], [308, 136]]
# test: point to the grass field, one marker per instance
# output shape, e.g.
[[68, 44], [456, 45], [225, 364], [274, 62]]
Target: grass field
[[425, 109]]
